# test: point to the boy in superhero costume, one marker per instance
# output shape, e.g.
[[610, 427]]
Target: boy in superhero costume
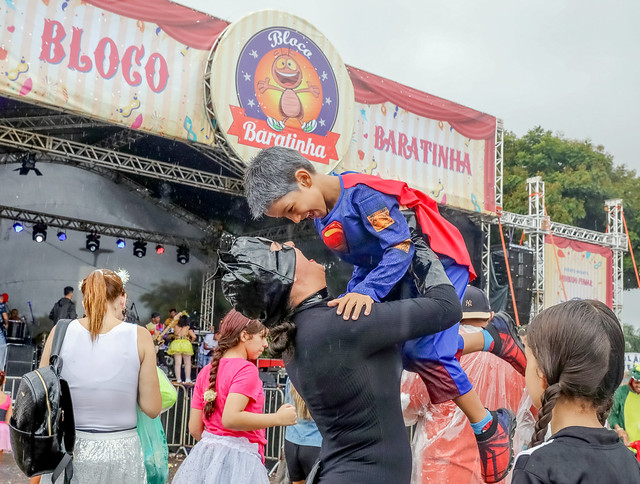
[[359, 217]]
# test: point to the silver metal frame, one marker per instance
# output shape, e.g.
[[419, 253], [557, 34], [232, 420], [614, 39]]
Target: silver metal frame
[[537, 236], [615, 228], [116, 160], [68, 223]]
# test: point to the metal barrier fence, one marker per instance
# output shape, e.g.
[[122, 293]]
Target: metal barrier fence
[[176, 422]]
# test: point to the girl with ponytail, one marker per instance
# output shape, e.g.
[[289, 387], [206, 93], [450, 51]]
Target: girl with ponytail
[[226, 410], [110, 367], [575, 362]]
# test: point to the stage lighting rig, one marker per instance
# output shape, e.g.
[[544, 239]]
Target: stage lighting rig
[[159, 249], [18, 227], [121, 243], [62, 236], [183, 254], [39, 232], [93, 242], [139, 248], [28, 164]]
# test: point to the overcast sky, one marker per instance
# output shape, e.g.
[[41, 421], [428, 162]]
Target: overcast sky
[[569, 66]]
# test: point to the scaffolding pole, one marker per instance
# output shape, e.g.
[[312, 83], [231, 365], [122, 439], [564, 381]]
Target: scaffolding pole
[[536, 239], [616, 229]]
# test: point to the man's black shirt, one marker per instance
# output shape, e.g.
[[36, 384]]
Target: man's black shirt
[[348, 372]]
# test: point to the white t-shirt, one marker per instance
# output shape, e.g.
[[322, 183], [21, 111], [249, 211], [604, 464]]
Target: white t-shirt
[[210, 342]]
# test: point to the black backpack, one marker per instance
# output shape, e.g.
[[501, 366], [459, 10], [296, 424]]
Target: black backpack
[[42, 426]]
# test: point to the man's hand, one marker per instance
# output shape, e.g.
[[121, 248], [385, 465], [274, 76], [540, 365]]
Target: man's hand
[[622, 434], [352, 302]]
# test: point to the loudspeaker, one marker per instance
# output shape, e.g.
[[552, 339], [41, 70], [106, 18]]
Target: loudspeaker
[[521, 261], [20, 359]]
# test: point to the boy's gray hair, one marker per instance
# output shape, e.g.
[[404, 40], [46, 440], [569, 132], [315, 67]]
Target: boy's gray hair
[[271, 175]]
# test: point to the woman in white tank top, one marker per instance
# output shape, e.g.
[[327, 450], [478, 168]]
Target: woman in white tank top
[[110, 367]]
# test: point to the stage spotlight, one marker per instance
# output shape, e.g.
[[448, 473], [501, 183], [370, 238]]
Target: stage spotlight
[[39, 232], [139, 248], [62, 236], [18, 227], [159, 249], [93, 242], [183, 254], [121, 243]]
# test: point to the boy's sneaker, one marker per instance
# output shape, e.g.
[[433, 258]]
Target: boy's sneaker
[[496, 446], [506, 342]]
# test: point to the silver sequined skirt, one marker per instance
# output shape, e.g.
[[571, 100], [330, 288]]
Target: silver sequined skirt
[[219, 459], [107, 458]]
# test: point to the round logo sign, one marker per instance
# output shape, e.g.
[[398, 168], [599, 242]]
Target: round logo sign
[[276, 81]]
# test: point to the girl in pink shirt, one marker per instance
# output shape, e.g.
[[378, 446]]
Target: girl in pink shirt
[[226, 410]]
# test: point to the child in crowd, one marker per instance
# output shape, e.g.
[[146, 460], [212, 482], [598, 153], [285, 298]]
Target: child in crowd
[[359, 218], [5, 415], [181, 348], [226, 410], [302, 441], [575, 362]]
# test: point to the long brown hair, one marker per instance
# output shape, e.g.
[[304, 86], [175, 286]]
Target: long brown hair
[[579, 348], [302, 411], [233, 324], [100, 287]]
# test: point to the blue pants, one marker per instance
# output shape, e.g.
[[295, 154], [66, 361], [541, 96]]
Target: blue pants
[[434, 357]]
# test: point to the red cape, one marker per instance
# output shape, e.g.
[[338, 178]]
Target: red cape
[[444, 237]]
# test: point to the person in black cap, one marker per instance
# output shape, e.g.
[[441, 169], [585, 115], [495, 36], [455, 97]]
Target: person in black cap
[[498, 335], [348, 372]]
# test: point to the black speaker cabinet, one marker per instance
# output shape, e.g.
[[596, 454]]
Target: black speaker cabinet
[[521, 264], [20, 359]]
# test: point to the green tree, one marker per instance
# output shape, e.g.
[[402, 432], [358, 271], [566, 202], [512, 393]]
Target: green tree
[[631, 338], [578, 177]]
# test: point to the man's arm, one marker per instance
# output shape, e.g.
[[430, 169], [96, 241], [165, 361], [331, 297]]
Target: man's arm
[[395, 322]]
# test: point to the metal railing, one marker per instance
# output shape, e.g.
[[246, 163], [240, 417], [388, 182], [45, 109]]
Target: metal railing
[[176, 422]]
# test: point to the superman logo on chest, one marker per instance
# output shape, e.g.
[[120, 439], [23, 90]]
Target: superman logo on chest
[[333, 237]]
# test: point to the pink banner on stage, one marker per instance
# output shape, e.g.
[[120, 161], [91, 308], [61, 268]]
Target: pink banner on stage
[[585, 269]]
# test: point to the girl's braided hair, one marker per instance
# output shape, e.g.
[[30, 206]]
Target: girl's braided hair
[[233, 324], [579, 349]]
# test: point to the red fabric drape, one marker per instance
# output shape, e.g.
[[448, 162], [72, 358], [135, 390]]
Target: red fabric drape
[[372, 89], [195, 29]]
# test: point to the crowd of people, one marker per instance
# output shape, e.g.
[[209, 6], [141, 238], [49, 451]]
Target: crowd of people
[[485, 402]]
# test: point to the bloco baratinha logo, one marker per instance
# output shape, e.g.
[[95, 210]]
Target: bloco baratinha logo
[[287, 95]]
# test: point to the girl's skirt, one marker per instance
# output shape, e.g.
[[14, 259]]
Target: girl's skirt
[[183, 346], [5, 441], [107, 458], [218, 459]]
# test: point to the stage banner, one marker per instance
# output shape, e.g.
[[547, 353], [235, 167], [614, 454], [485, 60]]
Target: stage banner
[[630, 359], [111, 63], [428, 154], [275, 80], [586, 270]]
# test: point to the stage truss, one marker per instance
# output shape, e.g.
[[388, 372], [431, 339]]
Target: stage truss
[[36, 134]]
